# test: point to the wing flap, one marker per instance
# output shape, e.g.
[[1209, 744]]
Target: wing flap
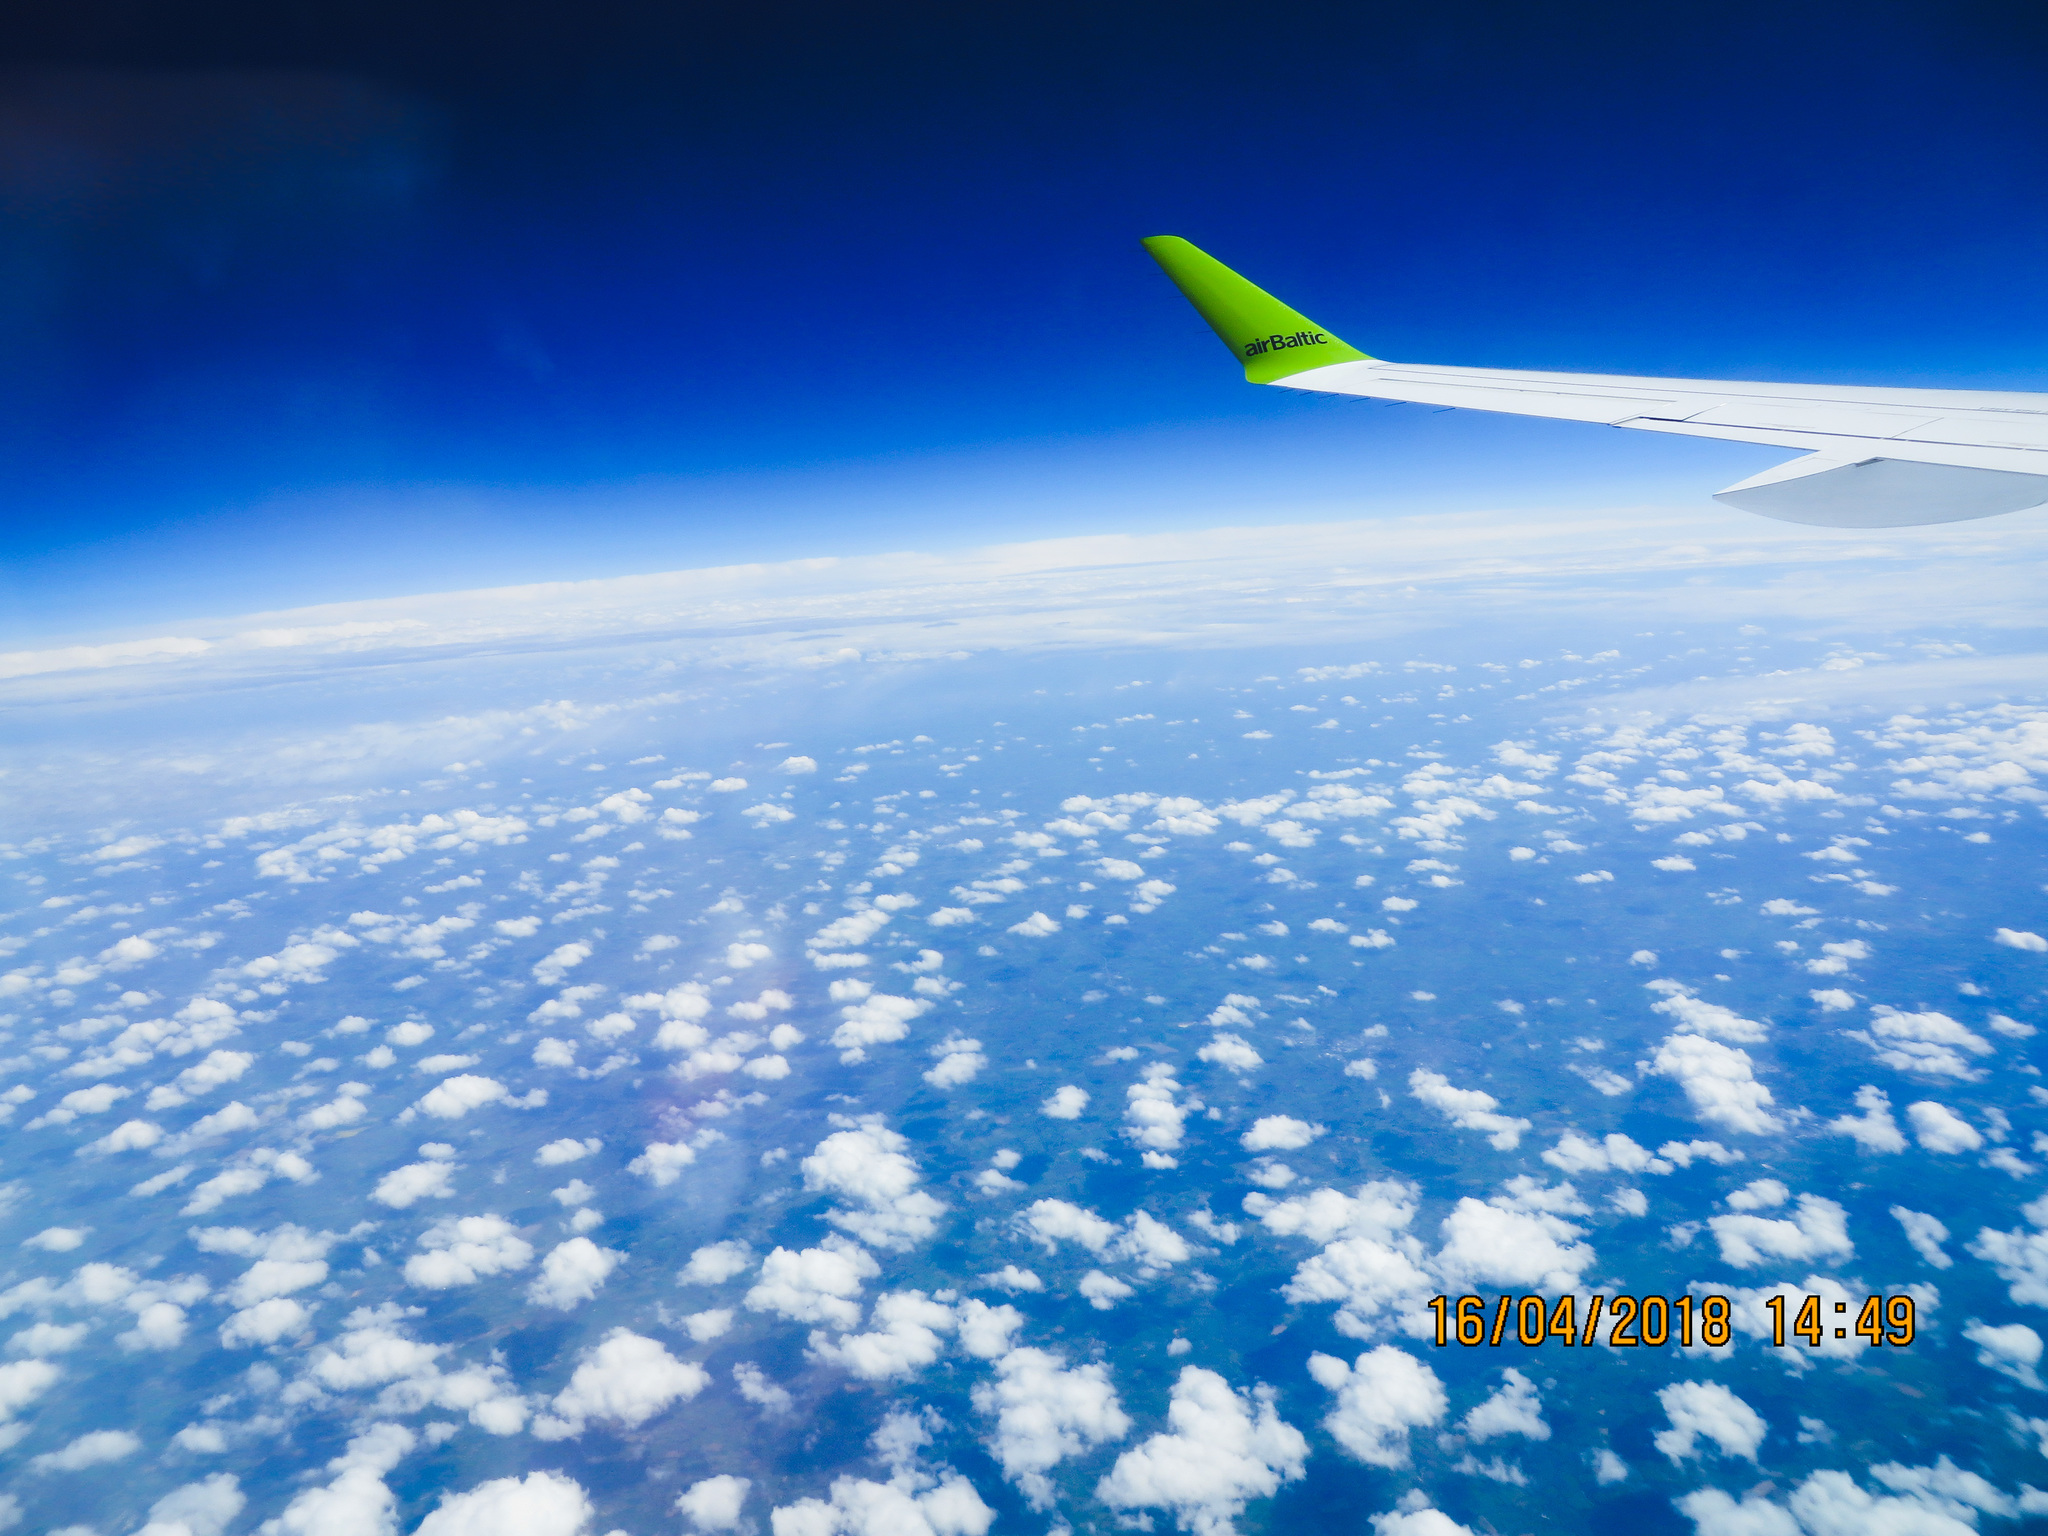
[[2000, 429], [1826, 491], [1812, 416]]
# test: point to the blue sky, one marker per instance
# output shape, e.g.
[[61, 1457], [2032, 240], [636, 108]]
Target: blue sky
[[353, 302]]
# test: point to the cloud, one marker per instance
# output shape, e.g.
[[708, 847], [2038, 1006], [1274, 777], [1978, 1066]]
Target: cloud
[[627, 1379], [572, 1272], [566, 1150], [771, 1000], [1065, 1103], [96, 1100], [2014, 938], [42, 1340], [663, 1162], [706, 1326], [880, 1019], [345, 1108], [265, 1323], [1514, 1410], [1102, 1291], [1279, 1133], [716, 1503], [715, 1263], [914, 1502], [1046, 1412], [1819, 1230], [2021, 1258], [357, 1499], [851, 931], [906, 1505], [1036, 926], [105, 1445], [1151, 1245], [1381, 1396], [1419, 1521], [1491, 1244], [903, 1339], [1699, 1017], [374, 1352], [1836, 958], [814, 1285], [57, 1239], [551, 971], [1369, 1265], [867, 1166], [21, 1383], [464, 1249], [1153, 1118], [1053, 1222], [1925, 1233], [218, 1068], [1011, 1278], [1232, 1051], [1875, 1130], [1222, 1450], [459, 1095], [1941, 1500], [757, 1389], [1707, 1410], [1759, 1195], [960, 1061], [246, 1178], [539, 1504], [1579, 1154], [2013, 1350], [204, 1508], [1719, 1082], [1940, 1129], [1467, 1108], [405, 1187], [1930, 1044], [128, 1136]]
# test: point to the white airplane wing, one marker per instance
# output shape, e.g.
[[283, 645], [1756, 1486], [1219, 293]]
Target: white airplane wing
[[1869, 457]]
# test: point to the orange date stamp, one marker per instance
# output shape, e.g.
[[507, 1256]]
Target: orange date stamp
[[1636, 1322]]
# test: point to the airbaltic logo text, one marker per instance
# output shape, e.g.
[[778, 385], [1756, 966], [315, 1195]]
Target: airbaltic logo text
[[1298, 339]]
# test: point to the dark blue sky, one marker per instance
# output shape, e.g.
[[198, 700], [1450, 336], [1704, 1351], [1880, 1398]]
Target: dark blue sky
[[315, 301]]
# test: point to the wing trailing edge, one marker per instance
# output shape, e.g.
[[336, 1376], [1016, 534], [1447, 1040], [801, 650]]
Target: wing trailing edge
[[1882, 493]]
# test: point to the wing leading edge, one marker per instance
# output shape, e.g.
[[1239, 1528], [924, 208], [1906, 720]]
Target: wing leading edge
[[1871, 458]]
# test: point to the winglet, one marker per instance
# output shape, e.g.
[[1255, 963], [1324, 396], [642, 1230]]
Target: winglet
[[1271, 340]]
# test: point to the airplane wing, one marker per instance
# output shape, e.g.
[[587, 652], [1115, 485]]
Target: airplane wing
[[1869, 458]]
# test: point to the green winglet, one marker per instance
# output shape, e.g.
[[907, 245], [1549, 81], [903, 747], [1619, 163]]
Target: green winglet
[[1273, 341]]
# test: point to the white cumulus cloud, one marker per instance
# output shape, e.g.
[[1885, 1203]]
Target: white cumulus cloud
[[1706, 1410], [1381, 1396], [627, 1379], [572, 1272], [1222, 1449], [1045, 1412], [539, 1504]]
